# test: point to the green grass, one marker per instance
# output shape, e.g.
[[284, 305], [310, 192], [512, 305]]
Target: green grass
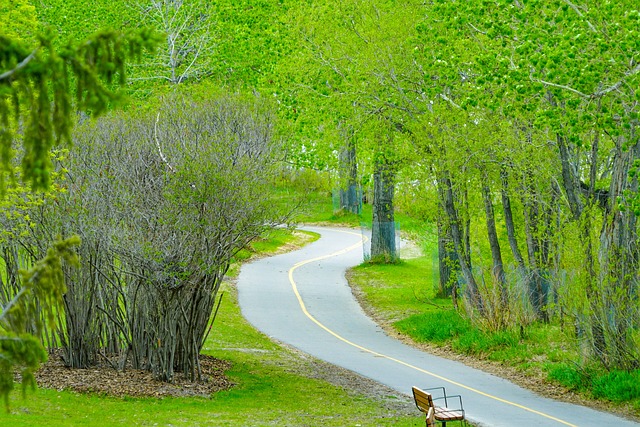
[[274, 388], [318, 208], [399, 290], [614, 386], [405, 294]]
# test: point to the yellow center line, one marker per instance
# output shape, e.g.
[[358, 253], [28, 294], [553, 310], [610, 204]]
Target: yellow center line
[[375, 353]]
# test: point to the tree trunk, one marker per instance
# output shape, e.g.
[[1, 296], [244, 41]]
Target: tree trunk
[[536, 280], [383, 233], [497, 272], [508, 219], [349, 197], [448, 264], [529, 275], [570, 178], [459, 241]]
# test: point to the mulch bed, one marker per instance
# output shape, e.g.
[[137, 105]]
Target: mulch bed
[[103, 379]]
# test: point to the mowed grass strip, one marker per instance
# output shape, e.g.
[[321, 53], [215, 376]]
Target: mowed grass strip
[[275, 386]]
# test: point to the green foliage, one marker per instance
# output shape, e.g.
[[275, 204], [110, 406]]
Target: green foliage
[[37, 87], [253, 37], [40, 296], [18, 206], [18, 20], [79, 19], [44, 286]]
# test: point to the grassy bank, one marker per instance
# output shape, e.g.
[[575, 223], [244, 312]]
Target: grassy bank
[[274, 386], [403, 296]]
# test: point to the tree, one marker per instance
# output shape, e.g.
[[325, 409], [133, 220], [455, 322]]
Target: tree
[[174, 195], [358, 45], [350, 192], [188, 26], [36, 92], [583, 73], [562, 75], [35, 111]]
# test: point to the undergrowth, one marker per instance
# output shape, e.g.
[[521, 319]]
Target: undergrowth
[[614, 386]]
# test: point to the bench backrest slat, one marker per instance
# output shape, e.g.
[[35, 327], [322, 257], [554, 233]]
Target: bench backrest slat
[[423, 400]]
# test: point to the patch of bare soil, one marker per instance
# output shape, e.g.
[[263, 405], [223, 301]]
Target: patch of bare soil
[[103, 379]]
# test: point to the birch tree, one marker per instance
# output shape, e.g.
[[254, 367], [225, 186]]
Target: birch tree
[[189, 29]]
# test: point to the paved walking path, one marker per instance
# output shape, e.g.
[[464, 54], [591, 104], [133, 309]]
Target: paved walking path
[[303, 299]]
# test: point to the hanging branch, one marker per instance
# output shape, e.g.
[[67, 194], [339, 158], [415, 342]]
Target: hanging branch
[[20, 66]]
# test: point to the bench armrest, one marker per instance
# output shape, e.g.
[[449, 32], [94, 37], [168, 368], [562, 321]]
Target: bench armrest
[[447, 397], [444, 393]]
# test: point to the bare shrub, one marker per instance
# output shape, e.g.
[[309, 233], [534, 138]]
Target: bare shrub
[[162, 202]]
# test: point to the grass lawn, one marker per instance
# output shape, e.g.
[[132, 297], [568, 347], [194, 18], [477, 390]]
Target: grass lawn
[[276, 386]]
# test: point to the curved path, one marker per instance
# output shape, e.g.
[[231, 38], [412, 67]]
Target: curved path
[[303, 299]]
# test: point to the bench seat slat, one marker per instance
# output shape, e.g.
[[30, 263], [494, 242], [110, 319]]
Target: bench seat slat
[[445, 414]]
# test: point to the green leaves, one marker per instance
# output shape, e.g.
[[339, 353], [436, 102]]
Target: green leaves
[[18, 20], [21, 350], [35, 91], [39, 298]]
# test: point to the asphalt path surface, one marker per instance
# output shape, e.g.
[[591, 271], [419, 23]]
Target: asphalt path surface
[[302, 298]]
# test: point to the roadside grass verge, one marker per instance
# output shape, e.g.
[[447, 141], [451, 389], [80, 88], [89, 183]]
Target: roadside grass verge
[[275, 385], [403, 296]]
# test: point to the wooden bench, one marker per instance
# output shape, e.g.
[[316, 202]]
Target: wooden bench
[[442, 414]]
